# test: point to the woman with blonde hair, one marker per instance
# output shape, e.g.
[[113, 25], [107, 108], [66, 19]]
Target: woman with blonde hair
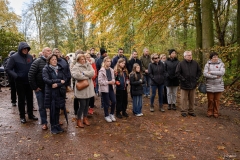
[[122, 81], [106, 81], [83, 70], [156, 73]]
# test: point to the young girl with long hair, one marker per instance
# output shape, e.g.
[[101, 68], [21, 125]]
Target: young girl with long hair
[[106, 81], [136, 81], [121, 78]]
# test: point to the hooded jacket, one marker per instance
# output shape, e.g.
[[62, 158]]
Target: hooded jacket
[[188, 73], [213, 72], [19, 64]]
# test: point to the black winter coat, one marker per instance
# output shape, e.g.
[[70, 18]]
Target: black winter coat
[[136, 85], [19, 64], [188, 73], [35, 74], [170, 69], [157, 73], [53, 94]]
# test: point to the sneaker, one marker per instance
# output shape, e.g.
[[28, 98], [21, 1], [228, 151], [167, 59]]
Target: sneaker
[[108, 119], [152, 108], [161, 109], [138, 115], [14, 104], [149, 96], [141, 114], [112, 117]]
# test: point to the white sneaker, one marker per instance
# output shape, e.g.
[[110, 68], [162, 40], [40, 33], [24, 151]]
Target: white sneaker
[[141, 114], [108, 119], [112, 117], [138, 115]]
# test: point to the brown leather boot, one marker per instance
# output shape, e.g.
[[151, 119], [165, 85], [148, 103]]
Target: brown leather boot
[[80, 123], [85, 121]]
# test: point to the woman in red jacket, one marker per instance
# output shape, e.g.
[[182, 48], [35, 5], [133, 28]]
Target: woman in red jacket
[[92, 62]]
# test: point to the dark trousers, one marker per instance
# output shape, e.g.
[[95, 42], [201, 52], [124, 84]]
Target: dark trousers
[[75, 105], [24, 92], [91, 102], [83, 109], [13, 91], [107, 97], [121, 101], [54, 117]]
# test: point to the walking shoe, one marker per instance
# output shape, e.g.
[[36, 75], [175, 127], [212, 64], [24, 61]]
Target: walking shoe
[[54, 130], [169, 107], [112, 117], [32, 117], [152, 108], [192, 114], [141, 114], [23, 120], [14, 104], [184, 114], [174, 107], [58, 127], [90, 111], [44, 127], [161, 108], [118, 115], [125, 114], [108, 119], [138, 115]]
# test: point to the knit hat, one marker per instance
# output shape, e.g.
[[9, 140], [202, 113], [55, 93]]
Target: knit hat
[[102, 51], [171, 50]]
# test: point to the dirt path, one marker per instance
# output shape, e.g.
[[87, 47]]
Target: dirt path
[[155, 136]]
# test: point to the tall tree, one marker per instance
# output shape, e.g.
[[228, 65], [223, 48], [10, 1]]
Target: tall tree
[[207, 27]]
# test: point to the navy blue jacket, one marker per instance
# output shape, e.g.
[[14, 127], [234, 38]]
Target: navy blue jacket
[[66, 70], [52, 95], [123, 81], [19, 64], [115, 60]]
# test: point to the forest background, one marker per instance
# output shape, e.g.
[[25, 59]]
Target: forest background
[[202, 26]]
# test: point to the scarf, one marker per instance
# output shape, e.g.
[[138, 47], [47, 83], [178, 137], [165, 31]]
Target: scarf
[[55, 68]]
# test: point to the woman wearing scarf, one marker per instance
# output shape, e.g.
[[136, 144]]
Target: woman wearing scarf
[[54, 79]]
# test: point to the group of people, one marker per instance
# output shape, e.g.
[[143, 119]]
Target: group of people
[[50, 75]]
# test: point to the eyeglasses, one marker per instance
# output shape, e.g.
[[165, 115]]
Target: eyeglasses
[[120, 52], [155, 57]]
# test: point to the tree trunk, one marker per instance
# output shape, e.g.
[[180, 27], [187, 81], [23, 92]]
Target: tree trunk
[[238, 32], [198, 22], [207, 28]]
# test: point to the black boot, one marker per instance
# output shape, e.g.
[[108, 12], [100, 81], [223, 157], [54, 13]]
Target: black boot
[[125, 114], [118, 115], [174, 107], [169, 107]]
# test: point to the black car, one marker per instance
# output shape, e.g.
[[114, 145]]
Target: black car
[[3, 77]]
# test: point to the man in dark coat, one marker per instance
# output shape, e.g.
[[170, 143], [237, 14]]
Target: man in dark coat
[[18, 68], [116, 58], [38, 85], [188, 72], [134, 59], [103, 53]]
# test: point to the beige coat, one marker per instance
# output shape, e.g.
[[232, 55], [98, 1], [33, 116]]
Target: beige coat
[[81, 72]]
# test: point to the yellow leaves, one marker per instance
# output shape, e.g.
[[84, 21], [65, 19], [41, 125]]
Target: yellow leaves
[[220, 147], [95, 155]]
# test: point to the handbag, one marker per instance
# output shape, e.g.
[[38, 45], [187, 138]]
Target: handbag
[[202, 88], [81, 84], [63, 91]]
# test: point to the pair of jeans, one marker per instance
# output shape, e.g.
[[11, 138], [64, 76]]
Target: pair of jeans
[[40, 95], [160, 94], [106, 98], [137, 104], [121, 101], [146, 86], [83, 109], [24, 92]]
